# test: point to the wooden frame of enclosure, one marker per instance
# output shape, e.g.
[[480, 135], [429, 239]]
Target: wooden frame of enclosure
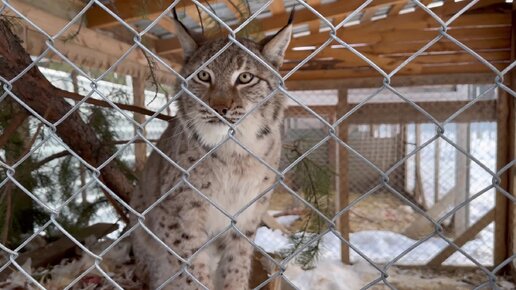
[[487, 28]]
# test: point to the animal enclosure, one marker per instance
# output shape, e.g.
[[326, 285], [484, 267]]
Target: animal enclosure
[[398, 140]]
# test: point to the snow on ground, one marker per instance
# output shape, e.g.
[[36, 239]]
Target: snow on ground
[[379, 246]]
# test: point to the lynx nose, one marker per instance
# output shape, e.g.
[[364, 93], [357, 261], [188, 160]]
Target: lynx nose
[[221, 105]]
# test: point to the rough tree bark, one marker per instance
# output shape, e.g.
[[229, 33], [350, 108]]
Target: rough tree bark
[[39, 94]]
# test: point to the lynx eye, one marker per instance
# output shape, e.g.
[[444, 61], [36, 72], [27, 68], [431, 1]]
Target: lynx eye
[[204, 76], [245, 78]]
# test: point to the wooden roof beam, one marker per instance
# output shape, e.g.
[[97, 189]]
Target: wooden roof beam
[[366, 71], [397, 81], [371, 29], [397, 49], [415, 20], [277, 7], [88, 48]]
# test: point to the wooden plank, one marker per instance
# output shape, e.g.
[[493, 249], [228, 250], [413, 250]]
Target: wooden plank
[[367, 71], [314, 25], [399, 81], [512, 174], [342, 198], [504, 106], [418, 20], [460, 218], [233, 6], [88, 48], [337, 8], [466, 236], [421, 227], [447, 54], [396, 8], [504, 226], [381, 113], [130, 10], [277, 7]]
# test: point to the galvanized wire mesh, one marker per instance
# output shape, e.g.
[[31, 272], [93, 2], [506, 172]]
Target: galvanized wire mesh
[[438, 133]]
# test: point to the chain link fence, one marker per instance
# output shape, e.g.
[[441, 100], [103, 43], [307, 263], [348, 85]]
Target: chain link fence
[[400, 170]]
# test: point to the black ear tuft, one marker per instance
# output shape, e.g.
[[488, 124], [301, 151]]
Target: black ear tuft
[[291, 17], [174, 13]]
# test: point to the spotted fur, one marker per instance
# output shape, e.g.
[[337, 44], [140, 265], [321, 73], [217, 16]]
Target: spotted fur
[[230, 177]]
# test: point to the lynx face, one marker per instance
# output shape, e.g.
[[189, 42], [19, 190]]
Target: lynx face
[[232, 85]]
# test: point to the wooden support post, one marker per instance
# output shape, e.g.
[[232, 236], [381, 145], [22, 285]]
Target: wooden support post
[[140, 149], [505, 154], [504, 224], [465, 237], [419, 191], [511, 175], [460, 218], [342, 197]]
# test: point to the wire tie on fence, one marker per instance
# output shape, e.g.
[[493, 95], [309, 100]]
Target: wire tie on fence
[[499, 79], [93, 85], [438, 228], [496, 180], [384, 179], [439, 130], [386, 81], [231, 132], [186, 175], [7, 85]]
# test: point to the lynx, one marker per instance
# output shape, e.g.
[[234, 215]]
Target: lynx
[[197, 227]]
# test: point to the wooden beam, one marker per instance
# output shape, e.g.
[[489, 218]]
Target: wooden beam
[[337, 8], [366, 71], [235, 9], [381, 113], [506, 148], [421, 227], [396, 8], [342, 195], [88, 48], [314, 26], [466, 236], [406, 49], [512, 174], [392, 28], [462, 178], [368, 13], [277, 7], [504, 155], [130, 10], [399, 81]]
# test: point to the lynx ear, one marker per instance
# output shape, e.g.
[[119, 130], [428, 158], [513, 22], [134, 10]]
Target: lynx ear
[[186, 40], [274, 49]]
